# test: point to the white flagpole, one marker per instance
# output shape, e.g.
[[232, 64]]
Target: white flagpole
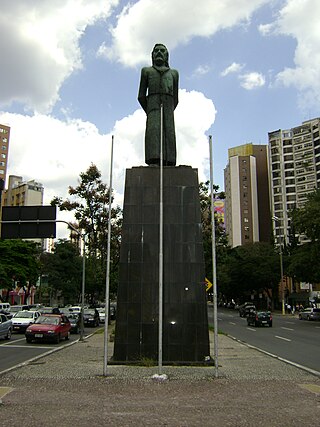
[[106, 307], [214, 265], [161, 246]]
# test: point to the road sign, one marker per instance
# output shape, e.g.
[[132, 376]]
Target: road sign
[[209, 284], [28, 222]]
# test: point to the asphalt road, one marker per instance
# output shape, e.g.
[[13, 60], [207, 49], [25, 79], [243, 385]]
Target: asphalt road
[[289, 338], [17, 350]]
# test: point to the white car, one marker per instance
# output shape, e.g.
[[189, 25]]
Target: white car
[[102, 314], [23, 319]]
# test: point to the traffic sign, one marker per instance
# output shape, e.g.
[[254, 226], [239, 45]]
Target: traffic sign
[[28, 222]]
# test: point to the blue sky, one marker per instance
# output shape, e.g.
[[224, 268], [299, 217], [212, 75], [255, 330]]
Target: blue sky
[[71, 68]]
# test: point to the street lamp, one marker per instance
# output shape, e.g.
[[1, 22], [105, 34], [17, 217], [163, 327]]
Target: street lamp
[[276, 219]]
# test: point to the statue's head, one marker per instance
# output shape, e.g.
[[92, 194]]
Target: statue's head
[[160, 55]]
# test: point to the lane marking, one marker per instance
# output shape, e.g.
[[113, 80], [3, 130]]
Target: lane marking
[[4, 391], [291, 323], [311, 387], [11, 342], [40, 356], [28, 346], [287, 329], [289, 362], [282, 338], [232, 323], [251, 329]]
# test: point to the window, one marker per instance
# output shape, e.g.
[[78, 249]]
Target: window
[[3, 156], [245, 219]]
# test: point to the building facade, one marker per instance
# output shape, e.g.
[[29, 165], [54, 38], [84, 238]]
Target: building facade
[[23, 193], [4, 150], [247, 204], [294, 172]]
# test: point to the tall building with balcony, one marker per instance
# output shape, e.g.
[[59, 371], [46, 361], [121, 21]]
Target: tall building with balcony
[[247, 205], [295, 171]]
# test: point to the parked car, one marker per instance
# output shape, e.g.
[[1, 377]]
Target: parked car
[[245, 309], [91, 317], [310, 314], [102, 314], [49, 310], [15, 308], [23, 319], [75, 308], [5, 327], [113, 310], [49, 327], [5, 306], [6, 313], [243, 306], [259, 318], [74, 319]]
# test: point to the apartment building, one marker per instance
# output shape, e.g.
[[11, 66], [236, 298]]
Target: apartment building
[[247, 204], [294, 162], [4, 149], [23, 193]]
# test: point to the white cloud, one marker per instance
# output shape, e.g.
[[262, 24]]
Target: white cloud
[[252, 80], [39, 44], [147, 22], [233, 68], [201, 70], [55, 153], [300, 20]]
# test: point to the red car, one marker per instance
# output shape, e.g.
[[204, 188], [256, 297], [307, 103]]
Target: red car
[[49, 327]]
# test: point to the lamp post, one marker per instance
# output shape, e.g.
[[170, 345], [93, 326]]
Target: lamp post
[[276, 219]]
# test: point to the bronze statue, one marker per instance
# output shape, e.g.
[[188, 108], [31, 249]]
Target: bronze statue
[[159, 85]]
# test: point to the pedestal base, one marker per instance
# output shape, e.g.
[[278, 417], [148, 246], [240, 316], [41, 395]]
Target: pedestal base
[[185, 322]]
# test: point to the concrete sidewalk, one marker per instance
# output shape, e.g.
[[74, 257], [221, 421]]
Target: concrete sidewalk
[[67, 388]]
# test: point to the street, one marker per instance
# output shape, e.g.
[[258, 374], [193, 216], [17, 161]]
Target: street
[[17, 350], [289, 338]]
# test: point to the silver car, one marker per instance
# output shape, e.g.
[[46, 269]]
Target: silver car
[[310, 314], [5, 327]]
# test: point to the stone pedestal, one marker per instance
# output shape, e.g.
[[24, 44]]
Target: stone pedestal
[[185, 322]]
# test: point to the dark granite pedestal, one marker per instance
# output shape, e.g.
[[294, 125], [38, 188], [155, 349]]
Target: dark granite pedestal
[[185, 321]]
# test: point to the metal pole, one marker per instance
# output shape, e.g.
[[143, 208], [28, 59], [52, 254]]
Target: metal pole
[[161, 246], [83, 285], [283, 310], [106, 307], [214, 268], [281, 273]]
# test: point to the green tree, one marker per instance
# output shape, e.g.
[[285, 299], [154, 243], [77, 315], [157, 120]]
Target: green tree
[[19, 263], [63, 268], [306, 220], [90, 203], [304, 258], [220, 234], [254, 268]]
